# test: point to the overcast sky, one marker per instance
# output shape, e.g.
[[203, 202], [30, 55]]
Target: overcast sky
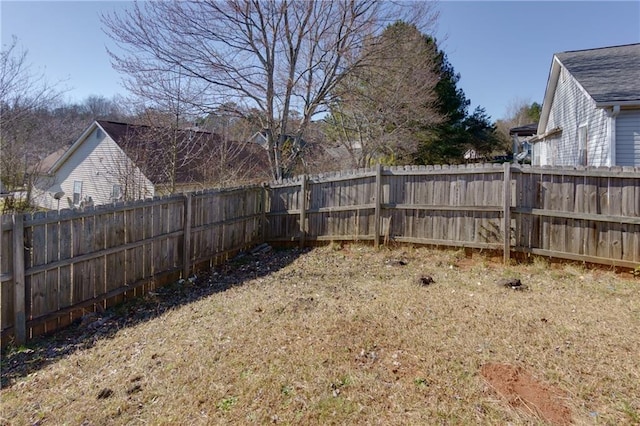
[[502, 49]]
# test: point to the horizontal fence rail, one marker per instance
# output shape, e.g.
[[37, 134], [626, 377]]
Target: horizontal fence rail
[[54, 265], [454, 206], [584, 214], [578, 213]]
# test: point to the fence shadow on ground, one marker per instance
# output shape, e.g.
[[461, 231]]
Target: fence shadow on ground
[[84, 333]]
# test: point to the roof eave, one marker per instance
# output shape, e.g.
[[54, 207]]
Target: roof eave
[[609, 104], [542, 136], [552, 83], [54, 168]]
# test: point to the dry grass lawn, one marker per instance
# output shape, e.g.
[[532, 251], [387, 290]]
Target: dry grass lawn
[[346, 335]]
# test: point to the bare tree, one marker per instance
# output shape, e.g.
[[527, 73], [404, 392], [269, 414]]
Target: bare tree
[[519, 112], [22, 94], [233, 159], [380, 108], [275, 56], [170, 106]]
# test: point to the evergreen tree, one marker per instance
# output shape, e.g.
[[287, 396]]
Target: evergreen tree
[[448, 141]]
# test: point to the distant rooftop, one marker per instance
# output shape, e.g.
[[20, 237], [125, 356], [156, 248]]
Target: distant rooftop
[[527, 130], [608, 74]]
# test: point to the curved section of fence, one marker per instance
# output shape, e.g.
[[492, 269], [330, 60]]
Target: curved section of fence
[[53, 265]]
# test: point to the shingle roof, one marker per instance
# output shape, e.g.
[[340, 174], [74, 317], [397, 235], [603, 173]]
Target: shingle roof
[[149, 148], [526, 130], [608, 74], [47, 163]]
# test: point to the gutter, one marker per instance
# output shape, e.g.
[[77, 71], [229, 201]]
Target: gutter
[[618, 104]]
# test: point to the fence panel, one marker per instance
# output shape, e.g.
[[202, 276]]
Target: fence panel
[[457, 205], [283, 216], [78, 260], [341, 206], [588, 214]]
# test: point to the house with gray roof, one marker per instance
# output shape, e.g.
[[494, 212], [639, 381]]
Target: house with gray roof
[[591, 109]]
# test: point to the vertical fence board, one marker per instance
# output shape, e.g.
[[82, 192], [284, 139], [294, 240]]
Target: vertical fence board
[[506, 209], [126, 244], [615, 209], [20, 289], [7, 275], [52, 276], [603, 247], [630, 208], [38, 247], [65, 246], [591, 234], [87, 268]]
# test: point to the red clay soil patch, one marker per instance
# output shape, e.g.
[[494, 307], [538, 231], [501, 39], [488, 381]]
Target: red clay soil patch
[[522, 391]]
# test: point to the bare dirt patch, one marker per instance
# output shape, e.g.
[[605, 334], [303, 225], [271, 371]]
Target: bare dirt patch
[[524, 392]]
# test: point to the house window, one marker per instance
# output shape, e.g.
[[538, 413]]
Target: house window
[[116, 192], [77, 192], [582, 145]]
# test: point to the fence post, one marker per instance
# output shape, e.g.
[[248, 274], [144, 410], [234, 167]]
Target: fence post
[[303, 210], [19, 317], [506, 200], [376, 217], [186, 255], [263, 218]]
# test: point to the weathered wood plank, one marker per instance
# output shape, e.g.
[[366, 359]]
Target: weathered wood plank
[[603, 246], [7, 283], [20, 290], [52, 277], [628, 208], [506, 206], [377, 217], [615, 209], [65, 246]]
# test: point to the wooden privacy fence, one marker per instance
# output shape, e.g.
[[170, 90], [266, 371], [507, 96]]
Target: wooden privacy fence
[[585, 214], [54, 264]]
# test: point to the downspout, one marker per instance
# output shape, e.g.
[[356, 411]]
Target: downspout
[[612, 134]]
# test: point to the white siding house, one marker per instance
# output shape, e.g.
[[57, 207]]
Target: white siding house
[[591, 109], [94, 170], [114, 161]]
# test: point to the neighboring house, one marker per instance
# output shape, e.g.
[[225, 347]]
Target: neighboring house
[[472, 155], [114, 161], [291, 148], [260, 138], [521, 137], [591, 109]]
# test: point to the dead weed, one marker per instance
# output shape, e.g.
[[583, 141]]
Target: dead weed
[[346, 335]]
